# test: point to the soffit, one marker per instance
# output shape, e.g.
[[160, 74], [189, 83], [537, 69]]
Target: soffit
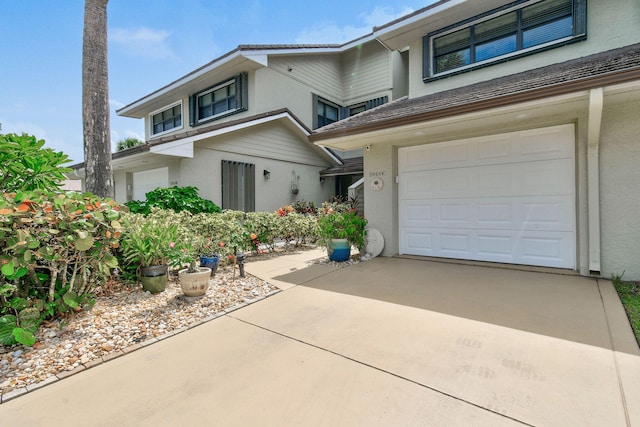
[[400, 33], [541, 113], [194, 82]]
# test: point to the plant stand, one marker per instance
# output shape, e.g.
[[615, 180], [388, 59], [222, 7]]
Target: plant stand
[[195, 284]]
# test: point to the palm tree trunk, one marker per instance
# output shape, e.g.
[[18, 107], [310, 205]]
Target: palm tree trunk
[[95, 100]]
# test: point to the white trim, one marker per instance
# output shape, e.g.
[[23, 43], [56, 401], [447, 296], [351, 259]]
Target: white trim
[[258, 56], [161, 110], [596, 103], [417, 18], [431, 72], [224, 84], [181, 81], [184, 146]]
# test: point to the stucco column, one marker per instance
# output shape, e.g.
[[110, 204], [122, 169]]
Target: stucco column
[[596, 101], [381, 194]]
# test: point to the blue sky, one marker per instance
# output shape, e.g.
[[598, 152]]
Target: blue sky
[[151, 43]]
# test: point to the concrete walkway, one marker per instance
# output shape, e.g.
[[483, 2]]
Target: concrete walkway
[[385, 342]]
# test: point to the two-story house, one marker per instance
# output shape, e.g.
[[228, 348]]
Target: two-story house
[[237, 128], [518, 140]]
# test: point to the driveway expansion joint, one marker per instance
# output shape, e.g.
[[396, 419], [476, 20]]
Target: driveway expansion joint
[[425, 386]]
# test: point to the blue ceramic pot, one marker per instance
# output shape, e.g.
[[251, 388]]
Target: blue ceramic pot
[[210, 261], [340, 250]]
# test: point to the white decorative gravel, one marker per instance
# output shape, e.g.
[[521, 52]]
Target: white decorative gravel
[[123, 319]]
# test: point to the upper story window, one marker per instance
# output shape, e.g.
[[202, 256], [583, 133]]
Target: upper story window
[[327, 112], [166, 120], [519, 28], [220, 100]]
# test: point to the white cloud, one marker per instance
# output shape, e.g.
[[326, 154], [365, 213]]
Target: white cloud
[[115, 104], [329, 32], [383, 14], [142, 42]]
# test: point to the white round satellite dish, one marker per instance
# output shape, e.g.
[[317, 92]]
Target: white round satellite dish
[[374, 243]]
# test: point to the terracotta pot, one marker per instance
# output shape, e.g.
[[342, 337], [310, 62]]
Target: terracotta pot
[[195, 284]]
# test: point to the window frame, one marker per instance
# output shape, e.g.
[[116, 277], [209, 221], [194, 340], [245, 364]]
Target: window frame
[[579, 33], [161, 111], [345, 112], [319, 100], [241, 100]]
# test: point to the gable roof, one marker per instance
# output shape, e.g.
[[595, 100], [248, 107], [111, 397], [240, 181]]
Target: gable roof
[[164, 144], [598, 70], [244, 58]]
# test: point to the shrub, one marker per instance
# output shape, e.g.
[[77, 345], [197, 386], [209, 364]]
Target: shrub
[[261, 228], [55, 249], [176, 198], [25, 165]]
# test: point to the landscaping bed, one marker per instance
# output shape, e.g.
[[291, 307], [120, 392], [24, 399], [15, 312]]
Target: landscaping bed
[[123, 319]]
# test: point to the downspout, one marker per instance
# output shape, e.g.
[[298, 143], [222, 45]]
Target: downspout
[[596, 101]]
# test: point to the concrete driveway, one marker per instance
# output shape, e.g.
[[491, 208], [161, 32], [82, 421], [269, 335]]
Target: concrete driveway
[[389, 342]]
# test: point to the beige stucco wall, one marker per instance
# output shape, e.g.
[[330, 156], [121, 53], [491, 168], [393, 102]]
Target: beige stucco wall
[[610, 24], [273, 147], [203, 171], [619, 173], [619, 192]]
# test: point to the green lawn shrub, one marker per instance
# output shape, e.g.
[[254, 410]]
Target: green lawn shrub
[[55, 249], [175, 198]]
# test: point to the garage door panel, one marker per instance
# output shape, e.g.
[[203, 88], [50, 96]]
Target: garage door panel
[[528, 146], [551, 249], [545, 178], [548, 249], [504, 198], [515, 213], [553, 177], [548, 143], [418, 241]]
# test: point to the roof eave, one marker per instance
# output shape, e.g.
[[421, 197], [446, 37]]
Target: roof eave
[[588, 83]]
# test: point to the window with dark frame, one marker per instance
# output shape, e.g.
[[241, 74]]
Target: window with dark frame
[[217, 101], [520, 28], [327, 112], [223, 99], [166, 120]]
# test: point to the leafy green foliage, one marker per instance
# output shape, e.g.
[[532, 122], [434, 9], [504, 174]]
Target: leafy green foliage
[[54, 250], [147, 240], [126, 143], [339, 221], [176, 198], [25, 164], [629, 293]]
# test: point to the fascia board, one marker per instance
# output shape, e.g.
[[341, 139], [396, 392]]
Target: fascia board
[[184, 146], [258, 59]]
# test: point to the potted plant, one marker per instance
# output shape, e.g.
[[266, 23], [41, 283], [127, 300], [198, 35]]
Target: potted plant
[[194, 280], [338, 230], [207, 256], [147, 244]]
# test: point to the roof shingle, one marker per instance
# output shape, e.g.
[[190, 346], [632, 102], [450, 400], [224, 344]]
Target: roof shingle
[[615, 66]]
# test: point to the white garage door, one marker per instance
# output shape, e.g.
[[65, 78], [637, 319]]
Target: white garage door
[[148, 180], [506, 198]]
